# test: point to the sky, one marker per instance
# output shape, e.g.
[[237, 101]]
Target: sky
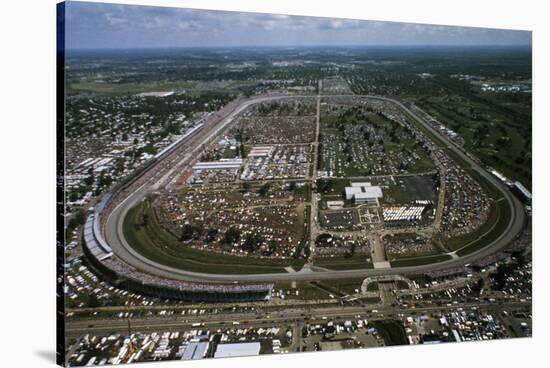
[[96, 25]]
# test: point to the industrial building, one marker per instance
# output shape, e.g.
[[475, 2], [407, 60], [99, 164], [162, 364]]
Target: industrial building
[[223, 164], [335, 205], [237, 349], [195, 350], [260, 151], [363, 193]]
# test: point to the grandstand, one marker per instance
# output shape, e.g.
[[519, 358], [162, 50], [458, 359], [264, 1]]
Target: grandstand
[[107, 264]]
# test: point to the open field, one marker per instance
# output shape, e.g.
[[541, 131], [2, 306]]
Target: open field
[[347, 286], [406, 189], [332, 186], [343, 262], [303, 290], [417, 261], [126, 88]]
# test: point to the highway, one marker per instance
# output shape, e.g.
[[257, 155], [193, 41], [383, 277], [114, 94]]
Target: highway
[[272, 318], [121, 248]]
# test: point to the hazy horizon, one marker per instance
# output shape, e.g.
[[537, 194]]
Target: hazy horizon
[[93, 26], [304, 47]]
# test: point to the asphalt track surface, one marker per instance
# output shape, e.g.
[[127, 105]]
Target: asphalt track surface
[[115, 237]]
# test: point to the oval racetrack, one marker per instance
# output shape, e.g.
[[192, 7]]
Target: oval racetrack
[[115, 238]]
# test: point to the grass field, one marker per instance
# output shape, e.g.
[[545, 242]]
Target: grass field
[[418, 261], [416, 187], [342, 263], [320, 289], [306, 290], [346, 286], [125, 88], [333, 186], [394, 194], [153, 242], [423, 164]]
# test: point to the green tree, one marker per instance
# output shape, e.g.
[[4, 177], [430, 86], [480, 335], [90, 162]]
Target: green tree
[[291, 186], [77, 220], [211, 234], [89, 180], [104, 181], [264, 189], [232, 235], [252, 242], [187, 232]]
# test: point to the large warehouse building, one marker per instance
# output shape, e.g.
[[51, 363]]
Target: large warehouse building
[[223, 164], [363, 192], [238, 349]]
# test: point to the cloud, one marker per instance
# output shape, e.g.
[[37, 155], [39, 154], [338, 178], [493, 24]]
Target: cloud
[[96, 25]]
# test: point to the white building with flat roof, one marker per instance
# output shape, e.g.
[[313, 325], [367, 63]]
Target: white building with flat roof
[[261, 151], [223, 164], [352, 191], [335, 205], [237, 349], [364, 194], [195, 350]]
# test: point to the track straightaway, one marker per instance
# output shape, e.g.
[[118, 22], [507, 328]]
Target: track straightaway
[[115, 237]]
